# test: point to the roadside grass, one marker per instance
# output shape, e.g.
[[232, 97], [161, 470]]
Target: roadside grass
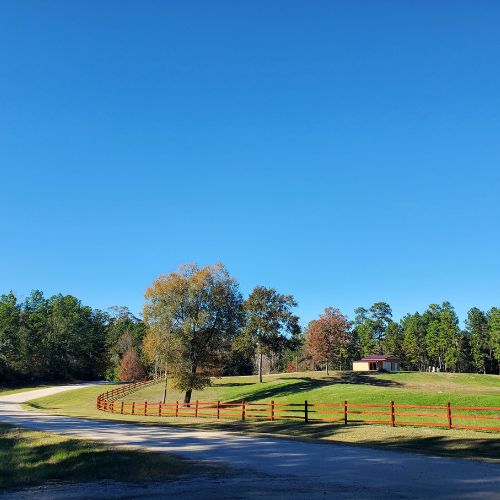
[[4, 391], [403, 388], [30, 458]]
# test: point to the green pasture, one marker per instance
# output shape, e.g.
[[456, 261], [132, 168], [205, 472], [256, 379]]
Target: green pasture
[[315, 387]]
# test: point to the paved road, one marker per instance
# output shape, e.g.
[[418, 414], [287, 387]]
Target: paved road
[[276, 467]]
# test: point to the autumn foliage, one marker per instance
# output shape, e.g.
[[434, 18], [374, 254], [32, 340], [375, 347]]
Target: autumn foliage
[[131, 368], [328, 336], [192, 316]]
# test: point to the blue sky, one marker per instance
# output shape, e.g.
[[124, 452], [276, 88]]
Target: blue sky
[[343, 152]]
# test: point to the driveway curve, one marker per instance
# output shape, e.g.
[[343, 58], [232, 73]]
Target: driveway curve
[[304, 470]]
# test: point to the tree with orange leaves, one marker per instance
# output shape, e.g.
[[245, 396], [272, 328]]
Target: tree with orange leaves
[[328, 336], [131, 368]]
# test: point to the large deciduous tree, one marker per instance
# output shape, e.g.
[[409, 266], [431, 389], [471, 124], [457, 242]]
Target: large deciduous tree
[[192, 315], [269, 321], [328, 336]]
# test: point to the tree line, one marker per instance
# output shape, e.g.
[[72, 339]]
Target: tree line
[[60, 339], [197, 324]]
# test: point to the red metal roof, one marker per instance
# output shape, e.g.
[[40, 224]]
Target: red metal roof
[[380, 357]]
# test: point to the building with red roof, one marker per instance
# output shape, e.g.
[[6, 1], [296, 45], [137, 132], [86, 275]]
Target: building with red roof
[[377, 362]]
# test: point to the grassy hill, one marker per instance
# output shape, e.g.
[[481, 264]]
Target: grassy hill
[[315, 387], [407, 388]]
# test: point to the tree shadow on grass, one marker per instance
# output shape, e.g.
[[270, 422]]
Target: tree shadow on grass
[[364, 379], [234, 384], [306, 384]]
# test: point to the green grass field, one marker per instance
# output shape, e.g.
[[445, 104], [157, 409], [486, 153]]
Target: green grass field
[[403, 388], [29, 458], [408, 388]]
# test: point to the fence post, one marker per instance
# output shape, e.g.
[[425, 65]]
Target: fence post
[[393, 420], [177, 408], [218, 409], [133, 407], [345, 412], [196, 409], [306, 413], [243, 410], [159, 408], [121, 410], [145, 408], [448, 412], [271, 404]]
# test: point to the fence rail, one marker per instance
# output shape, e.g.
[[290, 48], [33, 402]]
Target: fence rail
[[484, 418], [125, 390]]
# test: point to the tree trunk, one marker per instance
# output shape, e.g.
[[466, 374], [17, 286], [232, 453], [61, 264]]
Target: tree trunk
[[165, 390], [260, 367], [327, 367], [187, 396]]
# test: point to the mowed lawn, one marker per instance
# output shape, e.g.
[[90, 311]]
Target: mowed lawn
[[29, 458], [315, 387]]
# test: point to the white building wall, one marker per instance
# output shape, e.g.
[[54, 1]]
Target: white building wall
[[361, 366]]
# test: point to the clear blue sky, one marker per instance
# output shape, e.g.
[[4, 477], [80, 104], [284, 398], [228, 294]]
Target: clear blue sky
[[344, 152]]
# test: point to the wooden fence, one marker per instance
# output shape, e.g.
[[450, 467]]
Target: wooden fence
[[124, 390], [482, 418]]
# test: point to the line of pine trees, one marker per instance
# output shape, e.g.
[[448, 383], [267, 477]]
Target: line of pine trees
[[59, 338], [432, 339]]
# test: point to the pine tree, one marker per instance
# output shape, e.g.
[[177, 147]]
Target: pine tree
[[413, 341], [477, 330], [494, 334]]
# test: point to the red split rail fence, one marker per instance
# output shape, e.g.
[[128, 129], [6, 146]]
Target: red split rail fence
[[484, 418], [124, 390]]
